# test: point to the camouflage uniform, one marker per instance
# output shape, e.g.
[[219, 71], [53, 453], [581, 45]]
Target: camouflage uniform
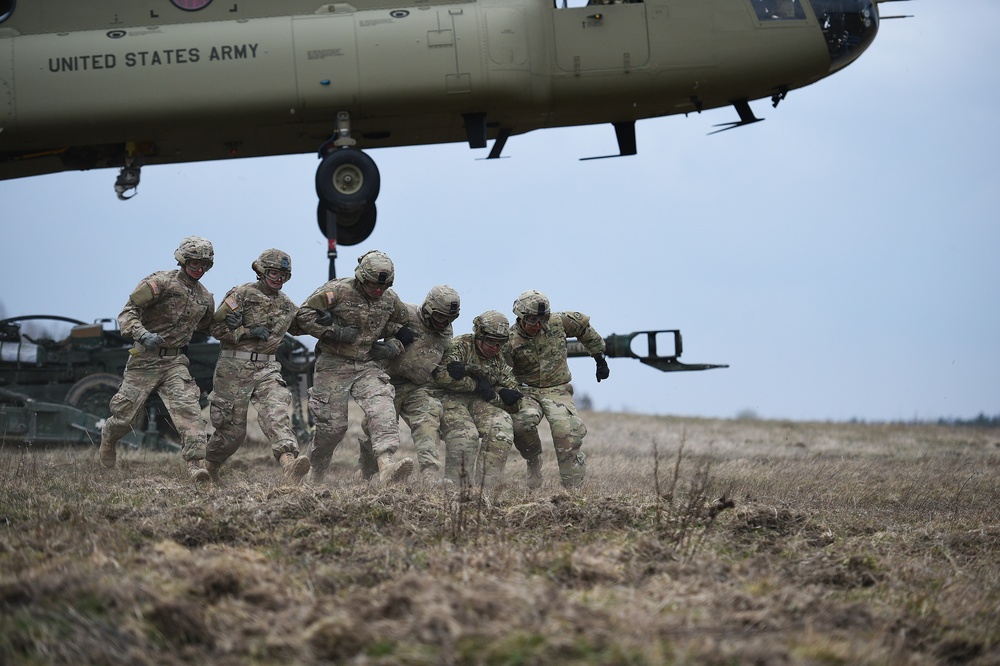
[[173, 305], [418, 399], [248, 370], [468, 417], [348, 369], [540, 367]]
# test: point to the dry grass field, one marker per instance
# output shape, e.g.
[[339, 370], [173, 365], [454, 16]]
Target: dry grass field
[[692, 542]]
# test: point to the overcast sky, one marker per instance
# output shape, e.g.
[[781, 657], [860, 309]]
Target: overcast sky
[[843, 256]]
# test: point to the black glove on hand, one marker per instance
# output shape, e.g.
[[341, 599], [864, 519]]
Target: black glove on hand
[[381, 350], [602, 367], [510, 396], [341, 334], [260, 332], [405, 335], [151, 341], [234, 320], [456, 369], [324, 318], [484, 389]]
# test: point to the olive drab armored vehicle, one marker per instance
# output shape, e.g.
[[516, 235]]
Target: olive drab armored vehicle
[[58, 390]]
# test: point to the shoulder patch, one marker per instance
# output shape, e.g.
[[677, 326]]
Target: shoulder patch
[[145, 292], [578, 318], [231, 302], [329, 297]]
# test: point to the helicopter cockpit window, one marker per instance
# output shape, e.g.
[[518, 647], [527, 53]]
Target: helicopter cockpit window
[[191, 5], [778, 10], [6, 9], [564, 4]]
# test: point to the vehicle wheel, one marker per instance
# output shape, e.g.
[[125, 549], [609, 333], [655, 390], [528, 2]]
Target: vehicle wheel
[[347, 180], [352, 228], [93, 395]]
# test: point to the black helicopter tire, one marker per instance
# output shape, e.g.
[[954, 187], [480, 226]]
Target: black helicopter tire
[[352, 228], [347, 180], [93, 394]]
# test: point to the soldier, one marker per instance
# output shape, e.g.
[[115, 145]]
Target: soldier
[[358, 321], [250, 324], [538, 354], [479, 399], [161, 315], [417, 398]]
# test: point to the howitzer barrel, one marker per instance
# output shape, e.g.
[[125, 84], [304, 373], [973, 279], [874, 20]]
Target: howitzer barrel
[[663, 350]]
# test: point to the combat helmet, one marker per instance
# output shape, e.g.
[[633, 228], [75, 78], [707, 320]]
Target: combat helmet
[[273, 259], [491, 325], [193, 248], [533, 304], [375, 267], [440, 307]]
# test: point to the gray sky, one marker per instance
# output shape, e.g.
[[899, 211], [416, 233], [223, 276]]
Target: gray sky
[[842, 256]]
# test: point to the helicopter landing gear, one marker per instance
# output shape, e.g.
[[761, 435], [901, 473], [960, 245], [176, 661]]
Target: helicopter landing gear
[[347, 184]]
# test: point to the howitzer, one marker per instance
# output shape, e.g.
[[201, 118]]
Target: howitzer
[[621, 346]]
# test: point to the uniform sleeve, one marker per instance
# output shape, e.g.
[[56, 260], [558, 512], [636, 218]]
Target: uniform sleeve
[[507, 380], [399, 318], [578, 326], [305, 317], [220, 329], [455, 352], [130, 318], [205, 324]]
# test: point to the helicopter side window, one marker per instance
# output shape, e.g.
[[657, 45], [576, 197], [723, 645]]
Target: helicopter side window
[[6, 9], [778, 10]]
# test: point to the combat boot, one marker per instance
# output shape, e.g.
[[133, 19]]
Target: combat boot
[[213, 470], [534, 472], [109, 452], [198, 473], [292, 468], [389, 471]]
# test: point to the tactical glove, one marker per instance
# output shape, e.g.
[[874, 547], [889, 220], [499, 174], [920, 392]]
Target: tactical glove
[[341, 334], [456, 369], [602, 367], [151, 341], [405, 335], [260, 332], [484, 389], [324, 317], [234, 320], [381, 350], [510, 396]]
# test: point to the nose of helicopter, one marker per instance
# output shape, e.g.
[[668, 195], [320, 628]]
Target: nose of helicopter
[[849, 27]]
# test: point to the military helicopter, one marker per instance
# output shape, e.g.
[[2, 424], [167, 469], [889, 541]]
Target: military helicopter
[[125, 83]]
